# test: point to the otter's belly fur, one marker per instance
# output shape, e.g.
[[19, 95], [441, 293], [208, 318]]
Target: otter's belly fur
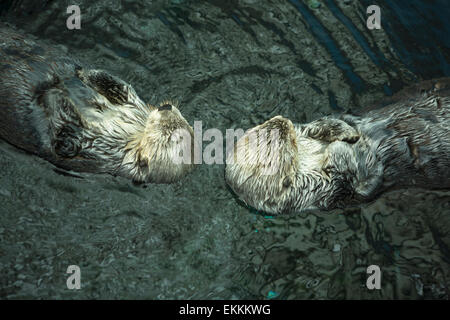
[[405, 144], [83, 119], [335, 162]]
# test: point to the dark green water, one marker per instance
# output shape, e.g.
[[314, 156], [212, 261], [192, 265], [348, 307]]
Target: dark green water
[[230, 64]]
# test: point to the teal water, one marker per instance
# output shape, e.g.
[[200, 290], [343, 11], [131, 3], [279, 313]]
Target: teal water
[[230, 64]]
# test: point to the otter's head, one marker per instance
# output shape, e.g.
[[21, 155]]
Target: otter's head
[[262, 167], [163, 151], [277, 168]]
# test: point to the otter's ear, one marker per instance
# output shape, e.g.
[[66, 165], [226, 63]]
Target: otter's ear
[[330, 130], [111, 87]]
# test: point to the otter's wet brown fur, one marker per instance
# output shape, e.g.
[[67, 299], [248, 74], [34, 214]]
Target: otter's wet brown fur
[[83, 119], [336, 162]]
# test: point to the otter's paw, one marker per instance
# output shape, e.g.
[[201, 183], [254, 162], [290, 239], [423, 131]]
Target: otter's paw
[[67, 144], [111, 87], [65, 121], [331, 130]]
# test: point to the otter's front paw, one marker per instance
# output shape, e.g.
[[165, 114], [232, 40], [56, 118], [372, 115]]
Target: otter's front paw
[[331, 130], [66, 144], [111, 87]]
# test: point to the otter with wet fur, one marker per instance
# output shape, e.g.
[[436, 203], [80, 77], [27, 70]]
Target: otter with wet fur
[[83, 119], [342, 161]]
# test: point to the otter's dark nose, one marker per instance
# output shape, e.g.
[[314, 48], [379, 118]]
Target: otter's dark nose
[[165, 107]]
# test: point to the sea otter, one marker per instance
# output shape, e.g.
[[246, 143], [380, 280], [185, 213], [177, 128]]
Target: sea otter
[[83, 119], [346, 160]]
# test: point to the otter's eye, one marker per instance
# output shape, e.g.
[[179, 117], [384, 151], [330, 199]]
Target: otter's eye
[[328, 169], [287, 182], [143, 164]]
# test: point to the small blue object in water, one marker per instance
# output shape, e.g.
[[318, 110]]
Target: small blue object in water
[[272, 294], [314, 4]]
